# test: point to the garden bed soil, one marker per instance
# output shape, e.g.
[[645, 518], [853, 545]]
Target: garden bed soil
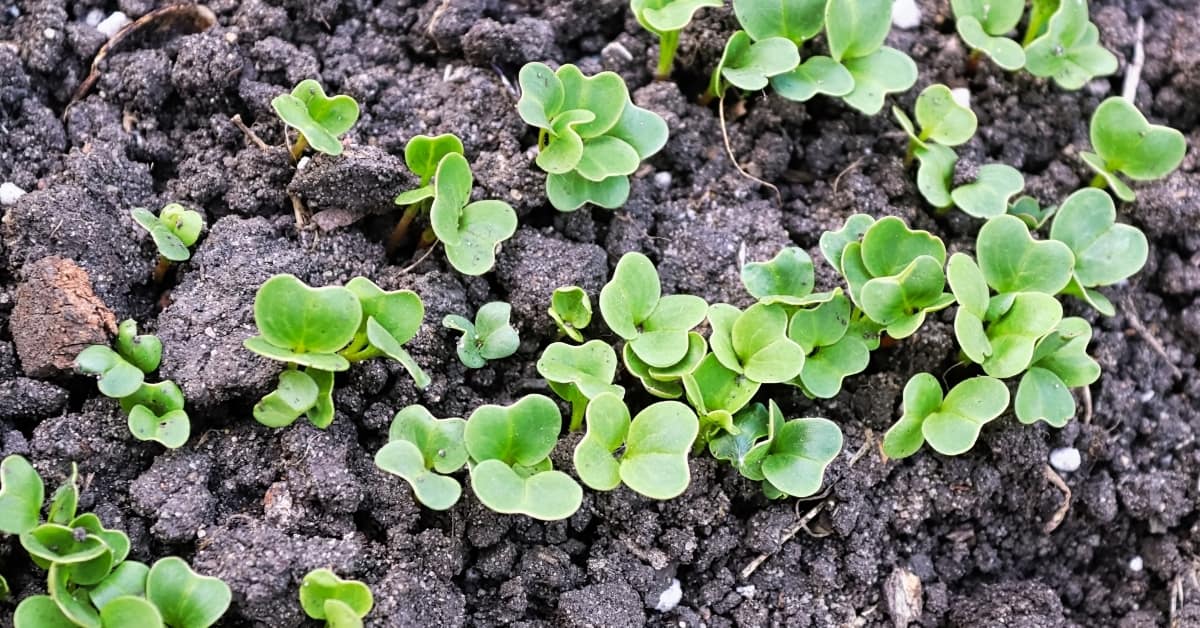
[[939, 541]]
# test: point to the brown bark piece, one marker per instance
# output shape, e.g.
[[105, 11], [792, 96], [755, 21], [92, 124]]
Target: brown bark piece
[[56, 316]]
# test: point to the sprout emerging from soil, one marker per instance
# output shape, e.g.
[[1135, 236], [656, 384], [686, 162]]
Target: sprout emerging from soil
[[950, 424], [654, 447], [490, 337], [787, 457], [571, 311], [341, 603], [424, 450], [666, 18], [654, 326], [318, 119], [754, 343], [579, 374], [174, 231], [1105, 252], [1127, 144]]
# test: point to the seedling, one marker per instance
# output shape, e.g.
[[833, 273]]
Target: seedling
[[1127, 144], [666, 382], [654, 327], [318, 119], [571, 310], [156, 413], [422, 155], [341, 603], [591, 136], [943, 123], [490, 337], [1060, 362], [174, 231], [1069, 51], [788, 457], [833, 243], [796, 21], [950, 425], [991, 192], [855, 30], [1012, 261], [424, 450], [1031, 212], [717, 393], [654, 446], [323, 330], [1105, 252], [787, 279], [749, 65], [754, 343], [666, 18], [512, 472], [984, 24], [835, 342], [579, 374]]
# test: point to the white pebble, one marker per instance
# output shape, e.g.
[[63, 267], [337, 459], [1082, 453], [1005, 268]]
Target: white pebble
[[1135, 564], [747, 591], [906, 14], [9, 193], [93, 17], [1065, 459], [670, 598], [49, 33], [1146, 396], [962, 96], [662, 180], [113, 23], [302, 163]]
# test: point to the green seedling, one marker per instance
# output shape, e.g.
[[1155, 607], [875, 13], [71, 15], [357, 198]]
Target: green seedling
[[796, 21], [666, 18], [941, 119], [895, 275], [833, 243], [1069, 50], [143, 351], [117, 376], [174, 231], [511, 471], [318, 119], [65, 501], [749, 65], [984, 24], [788, 457], [490, 337], [950, 425], [424, 450], [580, 374], [21, 495], [341, 603], [855, 30], [1125, 143], [591, 136], [422, 155], [654, 447], [990, 193], [786, 279], [666, 382], [755, 343], [833, 342], [571, 311], [1060, 362], [999, 332], [303, 325], [717, 393], [1105, 252], [655, 327], [389, 320], [156, 413], [185, 598], [1031, 212], [1012, 261]]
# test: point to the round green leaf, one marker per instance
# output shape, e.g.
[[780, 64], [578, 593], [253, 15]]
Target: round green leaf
[[607, 421], [1012, 261], [400, 312], [642, 129], [57, 544], [655, 462], [423, 153], [452, 192], [564, 148], [292, 316], [1105, 252], [320, 585], [541, 95], [856, 28], [118, 378], [591, 367], [321, 119], [1014, 334], [568, 192], [144, 352], [876, 75], [765, 353], [405, 459], [629, 298], [1042, 396], [796, 20], [922, 397], [826, 368], [606, 156], [547, 495], [571, 310], [186, 599], [714, 388], [1007, 53], [662, 16], [1070, 51], [604, 95], [128, 578], [159, 398], [1132, 146], [129, 610], [817, 75], [996, 16], [170, 429], [799, 454], [749, 64], [663, 340], [296, 394], [21, 495], [523, 433], [833, 243], [955, 427], [889, 247], [40, 611], [942, 119], [988, 196], [185, 223], [788, 275], [482, 226], [935, 173]]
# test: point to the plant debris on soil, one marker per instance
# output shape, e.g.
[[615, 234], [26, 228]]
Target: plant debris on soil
[[930, 540]]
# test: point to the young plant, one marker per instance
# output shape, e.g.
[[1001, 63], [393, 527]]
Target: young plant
[[571, 311], [1125, 143], [156, 412], [666, 382], [991, 192], [855, 31], [424, 451], [591, 136], [579, 374], [21, 495], [655, 327], [984, 24], [835, 339], [797, 21], [666, 18], [490, 337], [950, 425], [1060, 363], [786, 279], [755, 343], [1104, 251], [787, 457], [1013, 261], [174, 231], [318, 119], [341, 603], [324, 330], [717, 393], [750, 65], [654, 447], [1069, 50], [1031, 212], [944, 123], [422, 155], [511, 471]]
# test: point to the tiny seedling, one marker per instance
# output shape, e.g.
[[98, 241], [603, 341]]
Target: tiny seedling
[[786, 279], [185, 598], [422, 155], [571, 311], [318, 119], [579, 374], [666, 382], [174, 231], [943, 123], [655, 327], [984, 24], [591, 136], [1013, 261], [341, 603], [717, 393], [1125, 143], [490, 337], [117, 376], [797, 21], [424, 450], [755, 343], [1060, 363], [511, 471], [654, 447], [156, 413], [855, 30], [990, 193], [666, 18], [749, 65], [1105, 251], [1031, 212], [831, 335], [788, 457], [950, 425], [1069, 50]]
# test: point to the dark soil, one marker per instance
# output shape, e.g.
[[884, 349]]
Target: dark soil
[[938, 541]]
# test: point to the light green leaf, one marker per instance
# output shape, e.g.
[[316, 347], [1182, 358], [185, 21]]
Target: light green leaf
[[322, 585], [423, 153], [856, 28], [935, 173], [1007, 53], [942, 119], [568, 192], [1070, 51], [186, 599], [296, 394], [817, 75], [321, 119], [786, 278], [1012, 261], [21, 495], [988, 196]]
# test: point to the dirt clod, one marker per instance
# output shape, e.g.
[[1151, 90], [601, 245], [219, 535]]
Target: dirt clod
[[57, 315]]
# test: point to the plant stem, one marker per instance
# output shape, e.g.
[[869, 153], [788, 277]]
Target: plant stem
[[1099, 181], [577, 412], [365, 354], [668, 43], [359, 343], [299, 146], [161, 269], [428, 238], [542, 135], [973, 60], [400, 233]]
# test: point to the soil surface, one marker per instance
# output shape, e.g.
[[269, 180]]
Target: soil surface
[[929, 540]]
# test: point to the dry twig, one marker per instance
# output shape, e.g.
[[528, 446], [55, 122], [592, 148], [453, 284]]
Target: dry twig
[[1057, 518]]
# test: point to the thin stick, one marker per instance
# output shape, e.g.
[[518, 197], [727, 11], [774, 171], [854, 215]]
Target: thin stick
[[1086, 393], [1133, 75], [300, 211], [237, 121], [729, 149], [1057, 518], [407, 269], [1136, 323]]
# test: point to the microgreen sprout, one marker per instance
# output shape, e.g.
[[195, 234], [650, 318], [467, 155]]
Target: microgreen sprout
[[579, 374], [341, 603], [1125, 143], [831, 335], [984, 24], [785, 279], [788, 457], [571, 311], [156, 413], [1032, 213], [749, 65], [1105, 252], [1060, 362], [591, 136], [422, 155], [666, 382], [424, 450], [990, 193], [318, 119], [490, 337], [654, 447], [666, 18], [754, 343], [943, 123], [950, 424], [174, 231], [717, 393], [655, 327], [855, 31], [795, 21]]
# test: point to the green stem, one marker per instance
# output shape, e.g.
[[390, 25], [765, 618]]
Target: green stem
[[668, 43], [400, 233], [543, 136], [365, 354], [577, 413], [359, 343], [299, 146], [1099, 181]]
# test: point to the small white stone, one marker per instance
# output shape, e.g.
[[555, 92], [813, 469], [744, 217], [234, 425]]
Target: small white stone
[[49, 33], [9, 193], [303, 162], [1135, 564], [113, 23], [1065, 459], [669, 599], [747, 591], [906, 14], [1146, 396], [93, 17], [662, 180], [962, 96]]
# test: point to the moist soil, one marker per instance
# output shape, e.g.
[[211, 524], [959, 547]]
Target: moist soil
[[983, 539]]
